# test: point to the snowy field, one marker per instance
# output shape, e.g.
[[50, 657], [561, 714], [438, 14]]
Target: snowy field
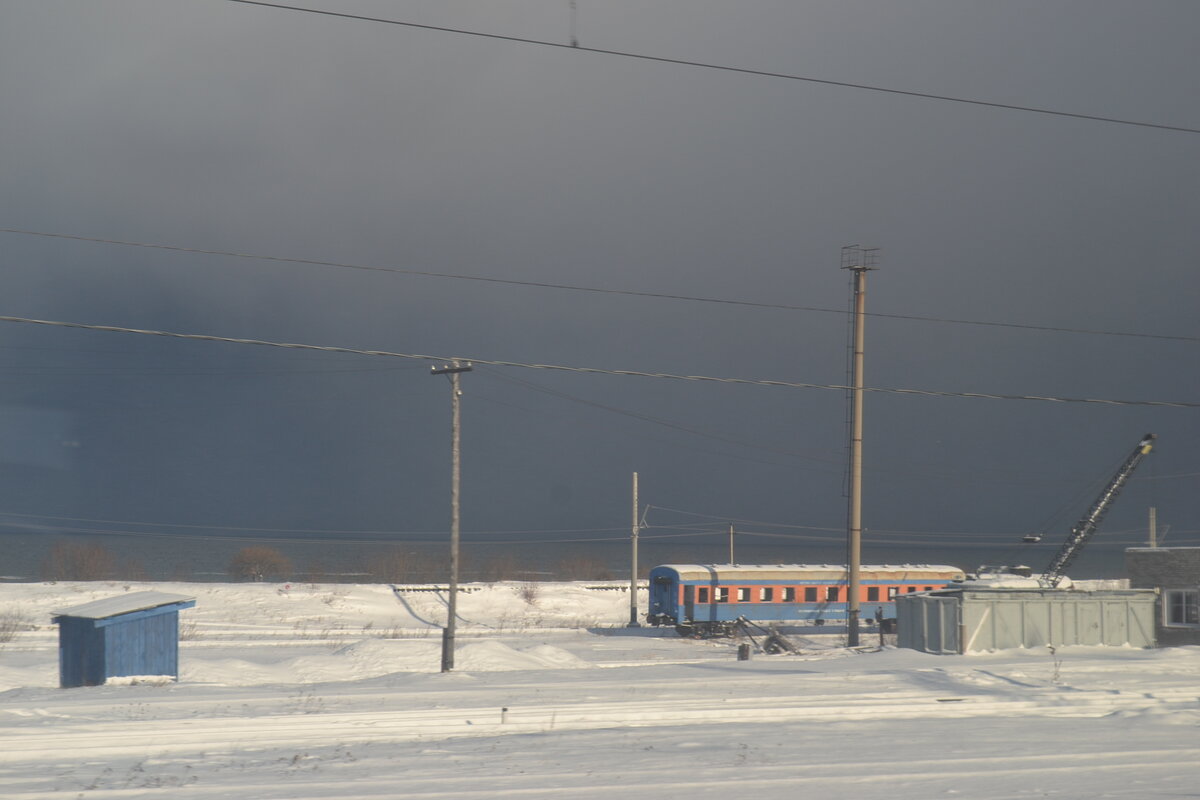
[[323, 691]]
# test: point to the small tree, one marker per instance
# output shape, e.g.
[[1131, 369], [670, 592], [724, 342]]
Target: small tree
[[259, 563], [79, 562]]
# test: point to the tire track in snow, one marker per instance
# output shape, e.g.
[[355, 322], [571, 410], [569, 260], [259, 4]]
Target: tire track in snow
[[381, 777], [182, 736]]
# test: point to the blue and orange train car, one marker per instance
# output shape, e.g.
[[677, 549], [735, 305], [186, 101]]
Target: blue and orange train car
[[709, 599]]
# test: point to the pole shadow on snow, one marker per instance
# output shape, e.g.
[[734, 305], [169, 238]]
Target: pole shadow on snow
[[412, 611]]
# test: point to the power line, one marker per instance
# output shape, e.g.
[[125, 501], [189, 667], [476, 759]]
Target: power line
[[719, 520], [135, 534], [592, 370], [958, 475], [719, 437], [326, 531], [725, 68], [673, 442], [1163, 477], [879, 535], [417, 272], [252, 534], [578, 288]]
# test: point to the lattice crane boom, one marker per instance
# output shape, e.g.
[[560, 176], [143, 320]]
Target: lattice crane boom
[[1086, 526]]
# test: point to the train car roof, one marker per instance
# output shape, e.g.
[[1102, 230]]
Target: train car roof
[[762, 571]]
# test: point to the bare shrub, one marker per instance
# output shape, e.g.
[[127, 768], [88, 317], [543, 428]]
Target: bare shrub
[[387, 566], [182, 572], [12, 623], [397, 631], [583, 568], [259, 563], [429, 569], [500, 568], [69, 561], [134, 570], [402, 566], [529, 592], [316, 572]]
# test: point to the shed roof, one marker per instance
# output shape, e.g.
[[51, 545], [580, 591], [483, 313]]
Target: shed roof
[[123, 604]]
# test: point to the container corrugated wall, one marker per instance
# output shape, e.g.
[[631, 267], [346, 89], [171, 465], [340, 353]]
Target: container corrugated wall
[[928, 623], [1002, 619]]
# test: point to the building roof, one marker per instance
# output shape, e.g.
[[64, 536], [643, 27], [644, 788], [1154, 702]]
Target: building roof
[[917, 572], [1164, 548], [124, 604]]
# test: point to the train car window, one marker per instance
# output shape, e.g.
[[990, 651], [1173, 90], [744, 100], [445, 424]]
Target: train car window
[[910, 589], [892, 592], [702, 594], [723, 594], [831, 594], [789, 594], [766, 594], [810, 594], [929, 588], [743, 594], [872, 594]]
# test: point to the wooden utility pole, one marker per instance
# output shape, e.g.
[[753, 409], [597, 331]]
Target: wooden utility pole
[[859, 260], [454, 369]]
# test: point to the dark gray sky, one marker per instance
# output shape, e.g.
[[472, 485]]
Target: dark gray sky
[[221, 126]]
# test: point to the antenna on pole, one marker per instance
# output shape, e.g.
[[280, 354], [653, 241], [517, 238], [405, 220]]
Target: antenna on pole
[[859, 260]]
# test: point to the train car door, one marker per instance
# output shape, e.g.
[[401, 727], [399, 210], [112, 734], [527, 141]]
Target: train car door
[[689, 602]]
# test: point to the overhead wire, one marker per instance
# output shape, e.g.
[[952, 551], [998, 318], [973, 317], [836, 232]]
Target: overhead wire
[[725, 439], [717, 519], [575, 46], [592, 289], [250, 534], [878, 535], [242, 528], [677, 444], [517, 381], [632, 293], [588, 370]]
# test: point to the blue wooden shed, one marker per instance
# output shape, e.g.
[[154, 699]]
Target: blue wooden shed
[[130, 634]]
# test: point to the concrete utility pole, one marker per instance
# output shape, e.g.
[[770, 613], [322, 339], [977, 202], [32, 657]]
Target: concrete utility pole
[[859, 260], [731, 561], [1153, 526], [454, 369], [633, 561]]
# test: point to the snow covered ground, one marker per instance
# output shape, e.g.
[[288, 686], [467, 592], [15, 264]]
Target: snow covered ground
[[324, 691]]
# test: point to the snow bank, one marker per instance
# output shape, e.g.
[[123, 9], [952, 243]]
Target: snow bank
[[312, 692]]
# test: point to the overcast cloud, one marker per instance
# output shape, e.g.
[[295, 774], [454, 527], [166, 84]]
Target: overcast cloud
[[221, 126]]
